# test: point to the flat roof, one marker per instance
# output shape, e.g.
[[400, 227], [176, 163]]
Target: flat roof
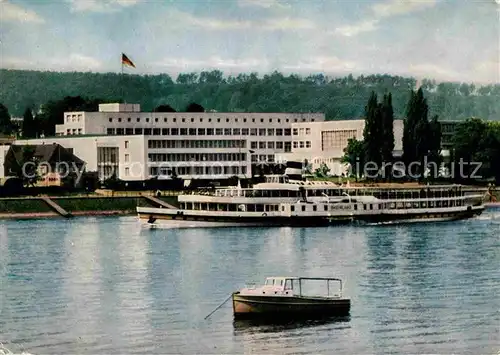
[[84, 136]]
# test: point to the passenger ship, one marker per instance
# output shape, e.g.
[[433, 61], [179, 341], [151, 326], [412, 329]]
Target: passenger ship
[[285, 201]]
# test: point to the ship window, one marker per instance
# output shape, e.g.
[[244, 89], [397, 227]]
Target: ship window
[[325, 207], [314, 208], [288, 285], [364, 207], [303, 208], [371, 206], [355, 207], [292, 208]]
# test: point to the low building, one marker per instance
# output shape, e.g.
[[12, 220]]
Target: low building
[[46, 164]]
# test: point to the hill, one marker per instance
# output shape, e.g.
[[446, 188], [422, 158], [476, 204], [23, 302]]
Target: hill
[[338, 98]]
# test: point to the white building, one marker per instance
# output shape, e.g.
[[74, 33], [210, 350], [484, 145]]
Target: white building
[[324, 142], [200, 145]]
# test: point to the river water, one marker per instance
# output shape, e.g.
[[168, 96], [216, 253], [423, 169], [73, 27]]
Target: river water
[[109, 286]]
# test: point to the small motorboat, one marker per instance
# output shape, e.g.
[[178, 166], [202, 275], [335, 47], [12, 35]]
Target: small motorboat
[[295, 297]]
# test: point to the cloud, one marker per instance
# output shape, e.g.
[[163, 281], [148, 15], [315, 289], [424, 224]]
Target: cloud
[[487, 71], [74, 61], [429, 70], [263, 3], [100, 5], [401, 7], [208, 23], [385, 9], [186, 19], [287, 23], [325, 64], [353, 30], [214, 62], [15, 13]]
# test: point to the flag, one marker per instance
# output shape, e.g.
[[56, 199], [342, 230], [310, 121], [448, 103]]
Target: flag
[[127, 61]]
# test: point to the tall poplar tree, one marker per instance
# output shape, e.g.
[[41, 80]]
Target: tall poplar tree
[[387, 136], [29, 128], [415, 134], [434, 146], [372, 133]]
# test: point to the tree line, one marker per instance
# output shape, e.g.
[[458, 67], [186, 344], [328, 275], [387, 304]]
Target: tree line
[[474, 153], [337, 97]]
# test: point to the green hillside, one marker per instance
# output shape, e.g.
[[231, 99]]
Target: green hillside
[[338, 98]]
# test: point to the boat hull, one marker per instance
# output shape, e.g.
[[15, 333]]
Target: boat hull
[[169, 218], [255, 306]]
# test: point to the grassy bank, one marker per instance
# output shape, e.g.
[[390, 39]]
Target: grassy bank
[[34, 207]]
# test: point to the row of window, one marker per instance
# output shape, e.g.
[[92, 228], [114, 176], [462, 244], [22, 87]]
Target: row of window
[[174, 119], [159, 143], [302, 144], [74, 118], [197, 170], [304, 208], [262, 158], [271, 145], [211, 157], [201, 131], [301, 131], [196, 144], [73, 131]]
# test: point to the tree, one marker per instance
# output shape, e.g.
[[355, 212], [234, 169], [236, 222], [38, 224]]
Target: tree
[[387, 134], [194, 107], [29, 128], [476, 142], [354, 156], [434, 145], [6, 126], [52, 113], [323, 171], [29, 167], [373, 132], [416, 129]]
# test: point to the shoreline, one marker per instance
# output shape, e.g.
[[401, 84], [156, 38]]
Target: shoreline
[[38, 215]]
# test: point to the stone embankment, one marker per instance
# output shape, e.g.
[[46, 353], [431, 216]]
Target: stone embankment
[[81, 205]]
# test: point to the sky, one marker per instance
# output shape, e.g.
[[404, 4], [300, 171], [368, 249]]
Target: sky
[[436, 39]]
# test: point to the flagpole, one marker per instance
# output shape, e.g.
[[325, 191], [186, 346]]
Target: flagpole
[[121, 79]]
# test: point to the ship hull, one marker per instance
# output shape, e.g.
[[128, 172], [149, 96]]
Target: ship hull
[[255, 306], [169, 218]]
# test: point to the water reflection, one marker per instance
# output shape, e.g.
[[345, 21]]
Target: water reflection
[[102, 285], [269, 325]]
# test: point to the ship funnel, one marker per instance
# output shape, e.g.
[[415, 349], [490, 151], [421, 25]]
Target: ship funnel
[[294, 170]]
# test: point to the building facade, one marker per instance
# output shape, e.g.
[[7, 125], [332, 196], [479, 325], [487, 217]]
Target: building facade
[[192, 145], [324, 142]]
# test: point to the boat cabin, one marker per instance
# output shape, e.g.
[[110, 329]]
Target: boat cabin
[[296, 286]]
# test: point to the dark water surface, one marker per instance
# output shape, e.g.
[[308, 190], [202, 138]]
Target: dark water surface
[[108, 286]]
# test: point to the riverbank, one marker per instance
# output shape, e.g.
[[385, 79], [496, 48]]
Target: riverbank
[[36, 207]]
